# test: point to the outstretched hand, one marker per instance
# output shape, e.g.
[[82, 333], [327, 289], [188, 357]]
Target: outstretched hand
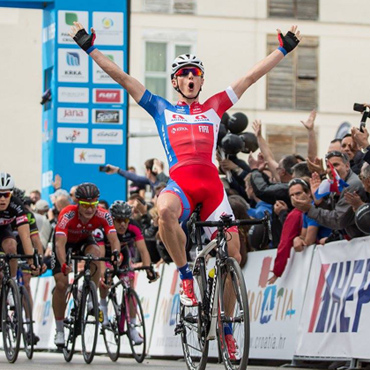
[[290, 40], [310, 122], [84, 40]]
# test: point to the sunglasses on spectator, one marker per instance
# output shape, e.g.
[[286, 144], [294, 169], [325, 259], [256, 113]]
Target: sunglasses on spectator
[[6, 194], [298, 181], [120, 220], [88, 204], [186, 70], [336, 153]]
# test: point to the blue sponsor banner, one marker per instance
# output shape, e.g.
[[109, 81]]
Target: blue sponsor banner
[[84, 119]]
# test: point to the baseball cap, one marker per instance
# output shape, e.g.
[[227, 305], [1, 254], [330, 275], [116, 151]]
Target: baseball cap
[[42, 205]]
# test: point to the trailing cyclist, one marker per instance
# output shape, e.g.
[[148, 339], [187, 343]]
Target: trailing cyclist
[[74, 230]]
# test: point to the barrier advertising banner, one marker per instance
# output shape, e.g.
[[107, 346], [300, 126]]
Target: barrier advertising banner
[[275, 309], [335, 317]]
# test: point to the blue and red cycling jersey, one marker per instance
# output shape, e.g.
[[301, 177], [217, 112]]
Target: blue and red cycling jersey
[[189, 132]]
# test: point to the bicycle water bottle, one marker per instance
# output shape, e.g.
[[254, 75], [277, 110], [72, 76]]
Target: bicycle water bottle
[[211, 276]]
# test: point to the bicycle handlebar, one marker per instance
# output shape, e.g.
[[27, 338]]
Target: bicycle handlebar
[[226, 221]]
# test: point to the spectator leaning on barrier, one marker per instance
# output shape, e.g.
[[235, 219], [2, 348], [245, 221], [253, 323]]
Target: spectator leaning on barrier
[[334, 212]]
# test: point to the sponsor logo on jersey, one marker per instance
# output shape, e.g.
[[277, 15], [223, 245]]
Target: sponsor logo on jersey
[[178, 118], [109, 219], [66, 218], [203, 129], [201, 118], [178, 129], [165, 145]]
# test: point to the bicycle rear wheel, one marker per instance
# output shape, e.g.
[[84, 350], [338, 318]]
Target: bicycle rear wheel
[[11, 320], [89, 321], [70, 325], [135, 325], [27, 322], [232, 293], [111, 334], [194, 332]]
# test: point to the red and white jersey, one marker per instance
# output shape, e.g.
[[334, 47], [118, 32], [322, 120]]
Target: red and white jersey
[[189, 132], [70, 225]]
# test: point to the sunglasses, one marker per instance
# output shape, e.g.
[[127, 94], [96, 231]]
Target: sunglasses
[[336, 153], [186, 70], [120, 220], [6, 195], [88, 204], [298, 181]]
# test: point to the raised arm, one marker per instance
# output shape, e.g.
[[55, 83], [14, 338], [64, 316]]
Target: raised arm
[[86, 42], [287, 44], [312, 144]]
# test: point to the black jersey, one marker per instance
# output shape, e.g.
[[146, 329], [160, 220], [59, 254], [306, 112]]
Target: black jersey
[[15, 213]]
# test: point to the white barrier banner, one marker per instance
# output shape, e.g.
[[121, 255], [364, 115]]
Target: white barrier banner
[[164, 341], [275, 309], [335, 318]]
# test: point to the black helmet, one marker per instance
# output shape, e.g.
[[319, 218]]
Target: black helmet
[[120, 209], [20, 194], [250, 142], [362, 218], [232, 144], [88, 191], [222, 131], [258, 237], [238, 122]]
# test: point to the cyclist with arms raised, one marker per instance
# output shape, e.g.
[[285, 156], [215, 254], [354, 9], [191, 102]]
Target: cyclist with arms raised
[[188, 131], [74, 230]]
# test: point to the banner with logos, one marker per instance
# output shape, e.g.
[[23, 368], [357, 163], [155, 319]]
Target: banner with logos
[[275, 309], [335, 317]]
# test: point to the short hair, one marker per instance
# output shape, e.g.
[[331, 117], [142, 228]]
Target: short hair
[[298, 181], [288, 162], [149, 163], [336, 153], [301, 169], [366, 172], [346, 135], [299, 157], [106, 204], [336, 141]]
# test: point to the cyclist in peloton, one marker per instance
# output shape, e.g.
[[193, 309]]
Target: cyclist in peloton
[[74, 230], [13, 211], [130, 236], [188, 131]]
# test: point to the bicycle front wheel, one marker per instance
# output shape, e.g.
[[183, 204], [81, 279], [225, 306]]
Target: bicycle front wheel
[[135, 325], [111, 334], [27, 322], [70, 323], [89, 321], [234, 314], [11, 320], [194, 332]]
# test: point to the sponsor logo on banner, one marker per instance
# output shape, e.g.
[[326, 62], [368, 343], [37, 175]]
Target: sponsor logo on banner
[[108, 27], [110, 116], [340, 284], [108, 96], [73, 115], [113, 137], [65, 22], [72, 66], [73, 95], [72, 135], [99, 76], [89, 156]]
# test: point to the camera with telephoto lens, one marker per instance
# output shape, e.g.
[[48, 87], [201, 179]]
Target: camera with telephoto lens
[[362, 108]]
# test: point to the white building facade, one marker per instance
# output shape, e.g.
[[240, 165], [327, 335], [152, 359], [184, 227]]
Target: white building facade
[[327, 72]]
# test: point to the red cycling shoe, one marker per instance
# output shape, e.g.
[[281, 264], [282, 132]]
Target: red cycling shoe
[[187, 296]]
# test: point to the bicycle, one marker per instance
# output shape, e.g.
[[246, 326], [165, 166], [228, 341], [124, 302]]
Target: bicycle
[[11, 308], [27, 316], [123, 307], [83, 310], [199, 324]]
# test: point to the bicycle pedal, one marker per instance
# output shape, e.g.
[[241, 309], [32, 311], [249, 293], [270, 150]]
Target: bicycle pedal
[[179, 329]]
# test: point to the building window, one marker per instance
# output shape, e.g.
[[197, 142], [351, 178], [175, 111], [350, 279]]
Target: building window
[[293, 83], [299, 9], [158, 61], [284, 140], [170, 6]]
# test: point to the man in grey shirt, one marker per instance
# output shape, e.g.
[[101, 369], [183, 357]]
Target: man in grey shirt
[[334, 212]]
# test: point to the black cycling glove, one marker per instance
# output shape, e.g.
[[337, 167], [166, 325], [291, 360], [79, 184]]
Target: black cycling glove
[[85, 41], [151, 275], [287, 42]]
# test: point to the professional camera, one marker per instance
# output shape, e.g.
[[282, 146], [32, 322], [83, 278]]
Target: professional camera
[[364, 109]]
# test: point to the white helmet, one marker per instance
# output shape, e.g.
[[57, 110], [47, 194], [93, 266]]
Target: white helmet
[[6, 182], [186, 60]]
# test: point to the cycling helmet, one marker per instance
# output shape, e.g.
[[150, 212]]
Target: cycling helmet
[[87, 190], [186, 60], [6, 182], [120, 209], [362, 218], [20, 194]]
